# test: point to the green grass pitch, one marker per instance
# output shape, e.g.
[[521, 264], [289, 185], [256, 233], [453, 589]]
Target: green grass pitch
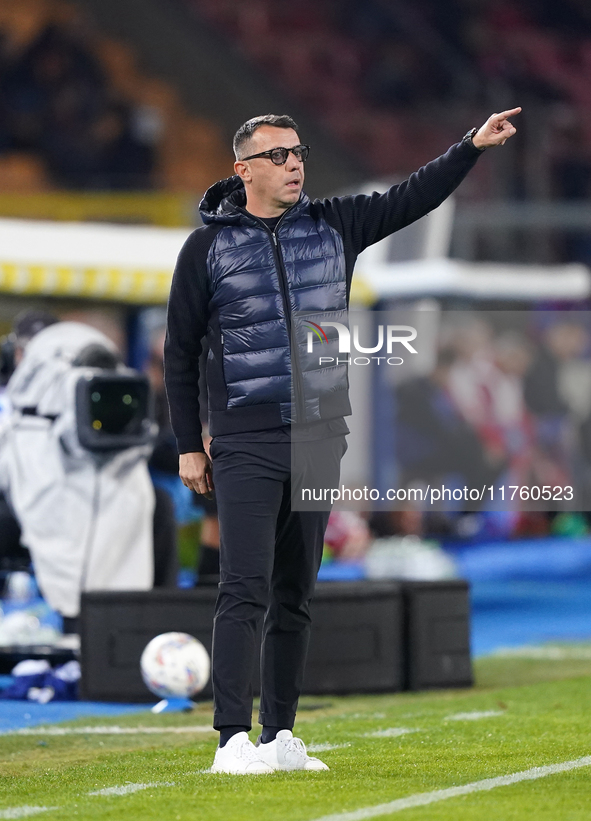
[[523, 714]]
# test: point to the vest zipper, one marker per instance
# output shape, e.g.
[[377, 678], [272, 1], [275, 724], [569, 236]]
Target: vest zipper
[[296, 370]]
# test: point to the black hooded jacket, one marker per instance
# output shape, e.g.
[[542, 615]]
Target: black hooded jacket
[[244, 287]]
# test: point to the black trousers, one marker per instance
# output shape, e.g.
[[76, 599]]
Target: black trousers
[[269, 560]]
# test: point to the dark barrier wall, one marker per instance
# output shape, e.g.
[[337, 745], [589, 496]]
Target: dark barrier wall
[[366, 637]]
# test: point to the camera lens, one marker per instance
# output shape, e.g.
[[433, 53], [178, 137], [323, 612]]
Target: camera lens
[[119, 407]]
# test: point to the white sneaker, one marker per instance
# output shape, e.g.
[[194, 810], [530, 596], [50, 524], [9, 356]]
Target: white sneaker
[[239, 757], [288, 753]]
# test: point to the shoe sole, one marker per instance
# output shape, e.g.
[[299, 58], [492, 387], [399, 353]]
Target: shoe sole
[[302, 769], [233, 772]]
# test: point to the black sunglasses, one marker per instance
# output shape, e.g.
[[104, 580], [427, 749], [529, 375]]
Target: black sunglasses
[[278, 156]]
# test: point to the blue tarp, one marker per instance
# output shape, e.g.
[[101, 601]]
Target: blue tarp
[[516, 613], [551, 559], [17, 714], [531, 591], [528, 591]]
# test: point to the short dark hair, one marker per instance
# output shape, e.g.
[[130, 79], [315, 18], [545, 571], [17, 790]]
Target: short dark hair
[[245, 132]]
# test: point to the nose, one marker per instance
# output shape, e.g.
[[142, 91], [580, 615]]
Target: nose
[[292, 163]]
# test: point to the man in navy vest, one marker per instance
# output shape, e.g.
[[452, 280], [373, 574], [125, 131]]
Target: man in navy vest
[[266, 255]]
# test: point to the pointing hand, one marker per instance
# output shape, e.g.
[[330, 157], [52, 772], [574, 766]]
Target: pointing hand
[[496, 130]]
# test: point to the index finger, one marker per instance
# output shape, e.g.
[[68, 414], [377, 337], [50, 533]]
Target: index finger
[[504, 114]]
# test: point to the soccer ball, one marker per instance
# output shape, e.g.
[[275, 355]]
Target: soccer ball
[[175, 665]]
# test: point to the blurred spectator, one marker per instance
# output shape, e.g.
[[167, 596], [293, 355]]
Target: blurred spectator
[[486, 385], [399, 61], [164, 469], [511, 358], [500, 406], [541, 387], [164, 460], [56, 101], [54, 64], [347, 535], [558, 391], [27, 325], [434, 442], [208, 567], [565, 350], [164, 456]]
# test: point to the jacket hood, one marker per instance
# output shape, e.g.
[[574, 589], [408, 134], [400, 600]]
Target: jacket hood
[[221, 201], [225, 200]]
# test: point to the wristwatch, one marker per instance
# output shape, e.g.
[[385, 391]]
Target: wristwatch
[[469, 138]]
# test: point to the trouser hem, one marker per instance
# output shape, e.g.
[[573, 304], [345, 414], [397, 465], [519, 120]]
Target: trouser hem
[[283, 720], [232, 720]]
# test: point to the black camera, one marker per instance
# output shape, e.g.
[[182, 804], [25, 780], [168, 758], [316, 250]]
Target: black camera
[[114, 411]]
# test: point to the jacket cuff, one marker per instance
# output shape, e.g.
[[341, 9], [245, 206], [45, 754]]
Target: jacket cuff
[[471, 148], [190, 444]]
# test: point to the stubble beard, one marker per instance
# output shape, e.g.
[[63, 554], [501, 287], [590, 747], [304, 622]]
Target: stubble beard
[[285, 204]]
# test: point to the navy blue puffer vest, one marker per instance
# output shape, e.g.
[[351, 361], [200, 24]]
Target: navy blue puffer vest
[[265, 290]]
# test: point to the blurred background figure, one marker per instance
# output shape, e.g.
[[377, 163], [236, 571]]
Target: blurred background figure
[[435, 443], [485, 385], [176, 506], [208, 567], [347, 536], [164, 468], [59, 103], [557, 391]]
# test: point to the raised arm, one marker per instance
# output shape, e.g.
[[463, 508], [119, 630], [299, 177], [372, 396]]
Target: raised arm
[[364, 220]]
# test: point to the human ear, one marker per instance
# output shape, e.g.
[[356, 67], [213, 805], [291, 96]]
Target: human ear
[[243, 170]]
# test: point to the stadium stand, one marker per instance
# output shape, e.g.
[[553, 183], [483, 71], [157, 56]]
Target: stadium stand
[[375, 72], [78, 113]]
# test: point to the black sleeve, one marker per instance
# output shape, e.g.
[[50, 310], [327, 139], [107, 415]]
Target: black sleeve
[[365, 219], [186, 325]]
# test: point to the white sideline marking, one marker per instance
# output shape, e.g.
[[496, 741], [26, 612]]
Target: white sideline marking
[[126, 789], [422, 799], [545, 653], [107, 730], [474, 716], [22, 812], [391, 732], [323, 748]]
